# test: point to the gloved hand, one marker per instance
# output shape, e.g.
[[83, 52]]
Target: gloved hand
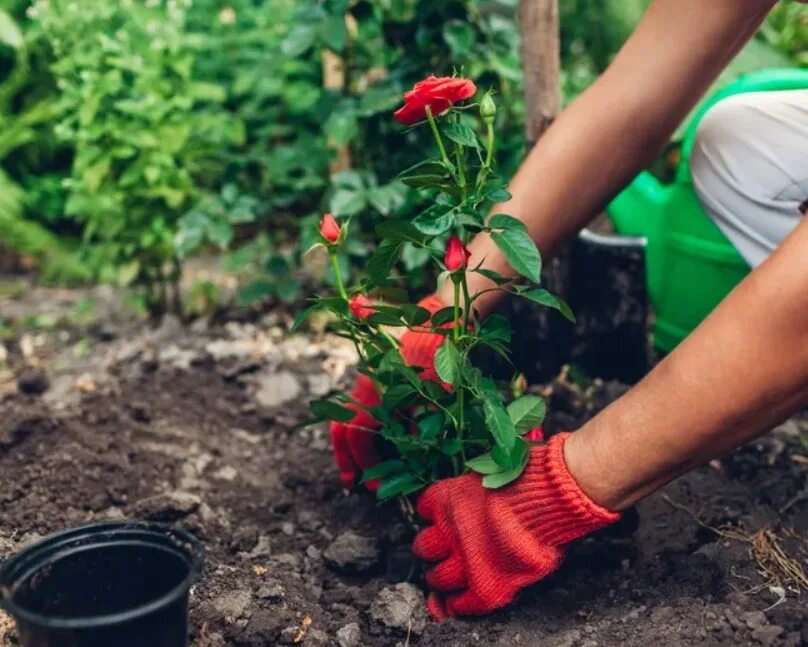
[[353, 441], [489, 544]]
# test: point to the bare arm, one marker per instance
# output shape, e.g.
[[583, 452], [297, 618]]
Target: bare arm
[[741, 372], [619, 124]]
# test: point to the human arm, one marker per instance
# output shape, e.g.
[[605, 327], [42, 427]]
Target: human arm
[[618, 125]]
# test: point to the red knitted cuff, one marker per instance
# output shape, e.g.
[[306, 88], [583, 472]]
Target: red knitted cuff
[[550, 503]]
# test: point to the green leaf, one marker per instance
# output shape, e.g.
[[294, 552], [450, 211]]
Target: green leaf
[[447, 362], [383, 470], [459, 36], [504, 221], [10, 33], [327, 410], [545, 298], [382, 260], [414, 315], [496, 277], [255, 291], [299, 40], [341, 127], [346, 202], [425, 181], [302, 316], [399, 395], [461, 134], [520, 252], [444, 316], [496, 328], [399, 485], [434, 221], [399, 231], [498, 195], [527, 412], [431, 425], [496, 481], [499, 423], [484, 464], [334, 33], [385, 319]]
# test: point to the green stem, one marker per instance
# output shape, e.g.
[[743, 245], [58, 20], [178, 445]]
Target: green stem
[[489, 156], [338, 275], [436, 133], [456, 327]]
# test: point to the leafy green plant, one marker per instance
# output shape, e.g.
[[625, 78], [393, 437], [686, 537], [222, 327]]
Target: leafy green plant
[[466, 423], [143, 132]]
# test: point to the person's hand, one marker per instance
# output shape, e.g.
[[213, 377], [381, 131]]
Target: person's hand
[[490, 544], [353, 441]]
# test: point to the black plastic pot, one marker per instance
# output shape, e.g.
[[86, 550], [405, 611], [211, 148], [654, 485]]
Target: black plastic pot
[[121, 584]]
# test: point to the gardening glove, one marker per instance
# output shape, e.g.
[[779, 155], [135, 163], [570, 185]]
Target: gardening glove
[[353, 441], [489, 544]]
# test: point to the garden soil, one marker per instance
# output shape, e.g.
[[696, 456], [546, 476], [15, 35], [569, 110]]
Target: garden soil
[[197, 426]]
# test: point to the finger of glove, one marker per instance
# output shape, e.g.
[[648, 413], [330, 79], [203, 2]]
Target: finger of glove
[[449, 575], [434, 605], [470, 603], [432, 545], [348, 469], [429, 502], [364, 392], [363, 452]]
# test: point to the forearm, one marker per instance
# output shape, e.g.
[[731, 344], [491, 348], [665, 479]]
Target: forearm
[[741, 372], [619, 124]]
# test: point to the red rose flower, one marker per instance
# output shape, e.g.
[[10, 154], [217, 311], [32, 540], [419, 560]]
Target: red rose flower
[[536, 435], [329, 228], [361, 306], [439, 93], [457, 256]]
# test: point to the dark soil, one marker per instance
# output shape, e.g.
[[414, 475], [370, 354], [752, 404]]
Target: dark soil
[[164, 426]]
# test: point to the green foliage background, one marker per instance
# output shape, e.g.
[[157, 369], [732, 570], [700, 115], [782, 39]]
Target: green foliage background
[[136, 133]]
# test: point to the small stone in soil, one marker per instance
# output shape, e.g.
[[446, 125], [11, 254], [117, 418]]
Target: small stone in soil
[[32, 381], [167, 507], [352, 553], [272, 591], [349, 636], [274, 389], [400, 607], [233, 605]]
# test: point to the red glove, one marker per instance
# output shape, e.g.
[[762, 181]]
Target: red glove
[[492, 543], [353, 441]]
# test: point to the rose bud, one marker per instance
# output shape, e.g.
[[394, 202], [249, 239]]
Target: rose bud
[[488, 109], [535, 435], [361, 306], [330, 229], [457, 256]]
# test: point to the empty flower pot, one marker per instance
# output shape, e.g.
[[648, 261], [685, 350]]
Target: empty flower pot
[[121, 584]]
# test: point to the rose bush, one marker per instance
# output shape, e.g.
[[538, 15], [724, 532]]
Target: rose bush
[[434, 413]]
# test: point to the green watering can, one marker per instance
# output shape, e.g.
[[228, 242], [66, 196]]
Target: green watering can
[[691, 266]]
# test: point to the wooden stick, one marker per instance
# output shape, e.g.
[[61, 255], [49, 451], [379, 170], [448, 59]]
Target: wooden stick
[[541, 64]]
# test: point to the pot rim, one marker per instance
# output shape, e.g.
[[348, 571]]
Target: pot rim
[[22, 565]]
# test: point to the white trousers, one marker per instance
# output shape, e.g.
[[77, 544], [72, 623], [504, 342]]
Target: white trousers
[[750, 168]]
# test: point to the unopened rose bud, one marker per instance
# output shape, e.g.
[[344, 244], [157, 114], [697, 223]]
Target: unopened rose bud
[[488, 109], [330, 229], [361, 306], [457, 256]]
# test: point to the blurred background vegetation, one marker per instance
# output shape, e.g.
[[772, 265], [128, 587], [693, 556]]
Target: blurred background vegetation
[[136, 133]]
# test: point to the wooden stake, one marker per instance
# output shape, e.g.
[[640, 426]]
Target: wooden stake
[[541, 65]]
